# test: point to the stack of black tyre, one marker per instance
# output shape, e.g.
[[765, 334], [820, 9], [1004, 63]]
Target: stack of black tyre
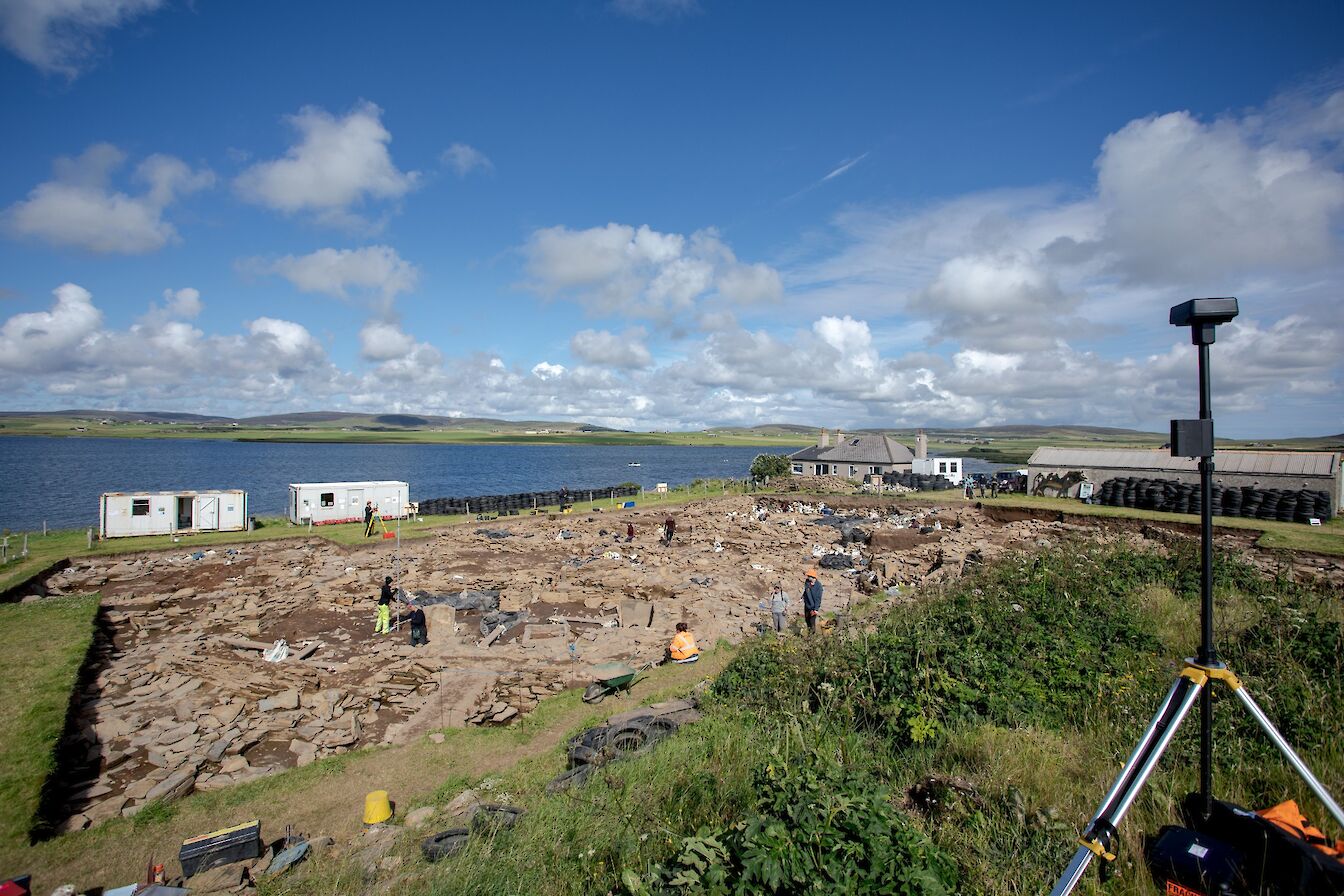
[[922, 482], [1171, 496], [512, 505]]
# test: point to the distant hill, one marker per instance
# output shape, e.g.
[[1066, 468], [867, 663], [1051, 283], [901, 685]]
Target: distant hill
[[767, 429], [123, 416], [318, 420]]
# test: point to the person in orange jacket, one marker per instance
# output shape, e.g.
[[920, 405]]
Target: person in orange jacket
[[683, 649]]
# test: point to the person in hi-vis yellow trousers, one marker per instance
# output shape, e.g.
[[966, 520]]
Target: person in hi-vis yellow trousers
[[384, 623]]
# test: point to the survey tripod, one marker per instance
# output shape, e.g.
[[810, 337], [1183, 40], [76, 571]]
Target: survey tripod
[[1194, 439]]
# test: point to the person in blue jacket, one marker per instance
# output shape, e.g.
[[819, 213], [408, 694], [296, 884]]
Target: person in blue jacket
[[811, 600]]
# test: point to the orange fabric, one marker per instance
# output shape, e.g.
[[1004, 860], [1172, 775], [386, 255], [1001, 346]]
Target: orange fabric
[[1287, 816], [683, 646]]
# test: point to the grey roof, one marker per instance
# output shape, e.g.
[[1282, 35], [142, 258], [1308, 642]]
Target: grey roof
[[864, 449], [1249, 463]]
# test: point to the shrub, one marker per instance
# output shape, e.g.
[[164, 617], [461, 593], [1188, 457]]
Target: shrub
[[818, 827], [771, 466]]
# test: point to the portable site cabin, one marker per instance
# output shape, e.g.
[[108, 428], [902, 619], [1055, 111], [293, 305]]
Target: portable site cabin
[[950, 468], [121, 514], [343, 502]]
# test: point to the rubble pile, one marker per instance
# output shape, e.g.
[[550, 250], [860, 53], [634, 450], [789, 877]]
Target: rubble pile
[[181, 695]]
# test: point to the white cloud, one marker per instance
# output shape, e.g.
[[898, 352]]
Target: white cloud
[[626, 350], [162, 361], [59, 36], [654, 11], [465, 159], [642, 273], [1187, 200], [337, 164], [39, 341], [748, 283], [287, 338], [376, 271], [178, 304], [80, 209], [383, 341], [547, 371]]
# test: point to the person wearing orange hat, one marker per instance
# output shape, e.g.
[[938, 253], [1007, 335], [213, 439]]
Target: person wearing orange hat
[[811, 600]]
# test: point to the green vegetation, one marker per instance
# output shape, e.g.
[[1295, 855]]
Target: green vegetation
[[42, 647], [365, 429], [770, 466]]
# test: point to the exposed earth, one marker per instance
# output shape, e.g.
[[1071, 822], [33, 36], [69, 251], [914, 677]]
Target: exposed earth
[[181, 698]]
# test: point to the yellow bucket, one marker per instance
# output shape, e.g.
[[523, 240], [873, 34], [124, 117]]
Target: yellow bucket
[[377, 807]]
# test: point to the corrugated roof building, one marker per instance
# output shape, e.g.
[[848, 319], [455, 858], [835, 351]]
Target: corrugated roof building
[[1050, 468]]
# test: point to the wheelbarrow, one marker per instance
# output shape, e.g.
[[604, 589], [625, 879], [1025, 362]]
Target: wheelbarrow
[[611, 678]]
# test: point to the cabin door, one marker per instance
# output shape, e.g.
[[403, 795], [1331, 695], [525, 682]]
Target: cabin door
[[184, 508], [207, 513]]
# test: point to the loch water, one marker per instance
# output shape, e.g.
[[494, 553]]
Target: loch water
[[59, 480]]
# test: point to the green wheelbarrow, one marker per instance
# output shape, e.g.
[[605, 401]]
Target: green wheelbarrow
[[611, 678]]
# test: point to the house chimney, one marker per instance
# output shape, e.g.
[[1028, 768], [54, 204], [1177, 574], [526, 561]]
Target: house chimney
[[825, 441], [921, 445], [839, 436]]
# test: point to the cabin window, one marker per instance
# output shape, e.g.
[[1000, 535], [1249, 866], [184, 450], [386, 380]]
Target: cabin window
[[874, 469], [853, 470], [139, 507], [328, 499], [942, 467], [798, 468]]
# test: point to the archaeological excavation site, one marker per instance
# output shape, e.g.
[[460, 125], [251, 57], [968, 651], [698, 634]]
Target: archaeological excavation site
[[188, 687]]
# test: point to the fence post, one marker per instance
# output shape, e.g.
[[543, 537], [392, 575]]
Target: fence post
[[90, 535], [44, 528], [25, 544]]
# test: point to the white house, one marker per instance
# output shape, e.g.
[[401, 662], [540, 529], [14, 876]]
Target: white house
[[343, 502], [853, 457], [121, 514]]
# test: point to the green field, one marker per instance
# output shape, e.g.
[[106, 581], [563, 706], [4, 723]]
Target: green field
[[42, 646], [360, 431], [1006, 444]]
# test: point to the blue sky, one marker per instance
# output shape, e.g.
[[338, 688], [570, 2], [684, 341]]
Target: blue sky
[[671, 214]]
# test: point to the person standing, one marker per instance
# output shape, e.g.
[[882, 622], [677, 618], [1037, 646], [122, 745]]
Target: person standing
[[419, 628], [779, 603], [670, 526], [629, 532], [384, 623], [368, 518], [811, 600], [970, 488], [994, 487]]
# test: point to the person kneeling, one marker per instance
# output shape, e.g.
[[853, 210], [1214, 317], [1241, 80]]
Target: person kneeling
[[683, 649]]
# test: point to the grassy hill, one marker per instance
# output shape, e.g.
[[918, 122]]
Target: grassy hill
[[1008, 444]]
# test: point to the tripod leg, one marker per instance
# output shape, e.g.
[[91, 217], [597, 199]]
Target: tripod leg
[[1288, 753], [1101, 830]]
